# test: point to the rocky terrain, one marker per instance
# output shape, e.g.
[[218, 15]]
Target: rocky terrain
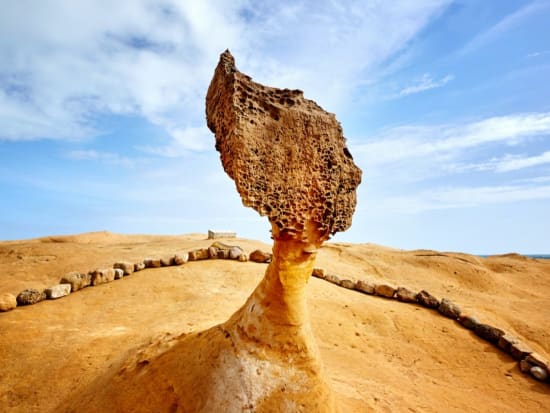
[[379, 354]]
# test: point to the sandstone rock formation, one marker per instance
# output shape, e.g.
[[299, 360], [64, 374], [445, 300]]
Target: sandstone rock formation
[[289, 161], [287, 156]]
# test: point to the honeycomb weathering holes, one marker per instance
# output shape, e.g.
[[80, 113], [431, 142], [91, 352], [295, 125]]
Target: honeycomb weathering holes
[[287, 156]]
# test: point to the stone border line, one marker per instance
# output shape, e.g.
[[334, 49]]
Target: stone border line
[[530, 362], [75, 281]]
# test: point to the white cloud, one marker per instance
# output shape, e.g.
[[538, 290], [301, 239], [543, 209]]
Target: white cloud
[[426, 82], [184, 141], [446, 142], [67, 63], [513, 163], [75, 60]]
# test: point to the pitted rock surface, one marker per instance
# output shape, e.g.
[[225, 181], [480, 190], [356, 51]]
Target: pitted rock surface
[[287, 156], [30, 296]]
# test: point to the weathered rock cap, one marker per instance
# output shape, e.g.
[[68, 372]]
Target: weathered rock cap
[[287, 156]]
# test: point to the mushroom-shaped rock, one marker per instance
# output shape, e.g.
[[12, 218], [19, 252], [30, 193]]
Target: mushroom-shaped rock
[[289, 161]]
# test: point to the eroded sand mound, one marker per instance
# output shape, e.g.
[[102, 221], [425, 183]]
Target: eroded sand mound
[[380, 355]]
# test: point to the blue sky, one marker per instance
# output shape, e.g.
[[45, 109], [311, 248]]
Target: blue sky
[[445, 105]]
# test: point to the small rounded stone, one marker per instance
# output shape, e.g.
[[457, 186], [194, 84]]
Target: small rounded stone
[[7, 302], [539, 373]]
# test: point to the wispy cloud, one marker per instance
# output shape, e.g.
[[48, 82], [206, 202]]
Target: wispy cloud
[[461, 197], [184, 141], [507, 163], [539, 53], [513, 163], [426, 82], [414, 169], [503, 26], [436, 141]]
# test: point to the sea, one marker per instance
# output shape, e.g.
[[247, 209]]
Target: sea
[[537, 256]]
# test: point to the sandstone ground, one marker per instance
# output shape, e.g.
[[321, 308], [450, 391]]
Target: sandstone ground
[[381, 355]]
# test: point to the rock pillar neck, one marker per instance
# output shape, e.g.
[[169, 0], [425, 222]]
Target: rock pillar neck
[[276, 313]]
